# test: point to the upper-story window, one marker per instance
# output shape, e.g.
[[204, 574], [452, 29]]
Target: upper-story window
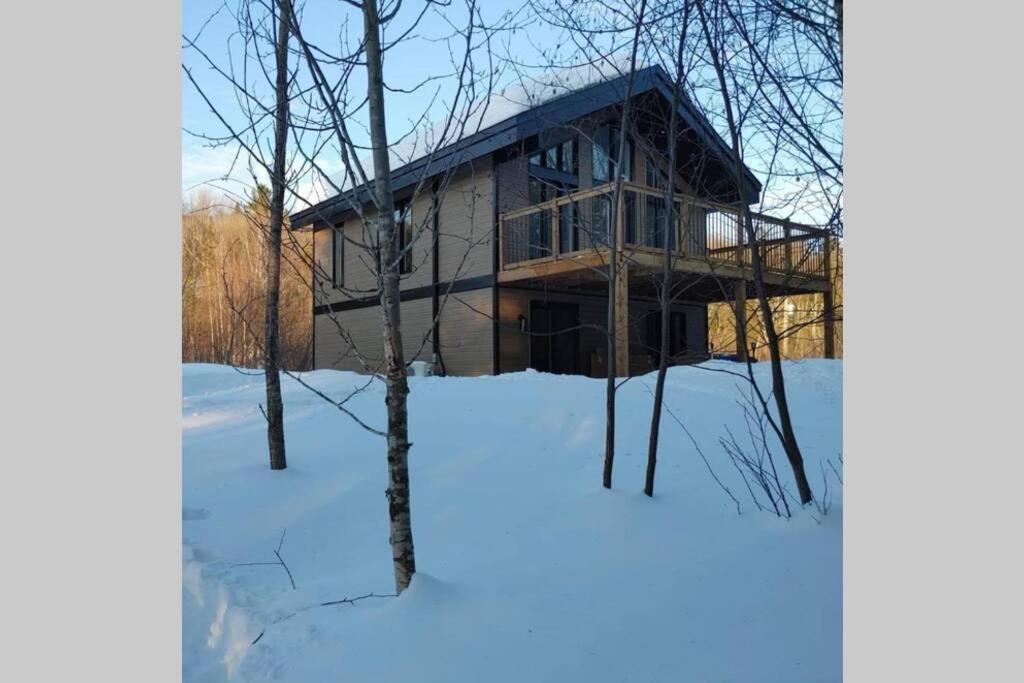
[[653, 176], [403, 233], [561, 157], [605, 154], [338, 256]]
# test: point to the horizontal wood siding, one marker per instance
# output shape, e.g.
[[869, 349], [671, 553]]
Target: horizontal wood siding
[[466, 227], [513, 190], [466, 224], [465, 335]]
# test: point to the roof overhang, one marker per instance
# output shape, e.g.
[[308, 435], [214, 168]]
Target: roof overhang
[[568, 107]]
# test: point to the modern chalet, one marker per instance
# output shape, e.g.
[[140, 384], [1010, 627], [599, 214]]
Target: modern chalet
[[507, 271]]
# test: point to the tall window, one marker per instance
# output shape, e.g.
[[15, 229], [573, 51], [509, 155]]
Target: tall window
[[338, 255], [605, 154], [543, 187], [657, 225], [403, 233], [676, 335], [652, 175]]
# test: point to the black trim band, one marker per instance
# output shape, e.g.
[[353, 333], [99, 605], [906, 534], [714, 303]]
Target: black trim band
[[426, 291]]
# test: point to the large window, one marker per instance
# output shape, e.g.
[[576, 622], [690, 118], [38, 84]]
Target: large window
[[338, 256], [676, 335], [653, 177], [605, 154], [553, 171]]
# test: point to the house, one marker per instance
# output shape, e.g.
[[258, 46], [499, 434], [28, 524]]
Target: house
[[509, 230]]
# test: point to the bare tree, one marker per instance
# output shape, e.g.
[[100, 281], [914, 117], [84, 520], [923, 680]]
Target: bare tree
[[321, 113], [615, 263], [402, 550], [586, 26], [262, 23], [271, 342], [778, 379], [385, 242], [667, 273]]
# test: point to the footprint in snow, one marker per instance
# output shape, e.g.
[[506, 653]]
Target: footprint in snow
[[203, 555], [190, 514]]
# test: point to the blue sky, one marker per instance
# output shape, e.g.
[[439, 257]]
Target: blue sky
[[418, 58], [405, 66]]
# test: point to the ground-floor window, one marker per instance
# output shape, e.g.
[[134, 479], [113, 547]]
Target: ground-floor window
[[676, 335], [554, 337]]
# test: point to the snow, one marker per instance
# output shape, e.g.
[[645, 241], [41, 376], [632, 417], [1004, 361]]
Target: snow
[[528, 570]]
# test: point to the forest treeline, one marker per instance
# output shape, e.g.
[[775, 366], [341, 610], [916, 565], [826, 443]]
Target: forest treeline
[[223, 285]]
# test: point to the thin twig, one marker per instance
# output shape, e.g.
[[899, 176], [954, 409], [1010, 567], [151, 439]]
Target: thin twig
[[343, 601]]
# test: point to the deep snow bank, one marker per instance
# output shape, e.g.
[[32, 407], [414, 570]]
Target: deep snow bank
[[529, 570]]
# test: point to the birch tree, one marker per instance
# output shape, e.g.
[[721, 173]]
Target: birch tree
[[403, 553], [369, 196]]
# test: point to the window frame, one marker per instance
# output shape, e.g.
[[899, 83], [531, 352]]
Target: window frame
[[542, 156], [338, 264], [403, 229], [606, 144], [678, 344]]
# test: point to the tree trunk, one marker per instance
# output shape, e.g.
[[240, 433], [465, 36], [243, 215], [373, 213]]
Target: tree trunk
[[659, 389], [838, 6], [613, 264], [789, 442], [609, 420], [666, 272], [271, 343], [397, 386]]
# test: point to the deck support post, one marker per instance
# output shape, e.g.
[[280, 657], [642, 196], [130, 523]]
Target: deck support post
[[830, 325], [740, 303], [830, 316], [622, 320], [787, 246]]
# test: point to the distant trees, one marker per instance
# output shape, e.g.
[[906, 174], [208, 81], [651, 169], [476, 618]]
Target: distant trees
[[223, 284], [799, 319]]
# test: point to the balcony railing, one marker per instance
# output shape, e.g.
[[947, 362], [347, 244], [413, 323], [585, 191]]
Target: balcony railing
[[578, 223]]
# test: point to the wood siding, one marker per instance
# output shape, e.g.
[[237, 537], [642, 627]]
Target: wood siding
[[465, 232], [465, 335]]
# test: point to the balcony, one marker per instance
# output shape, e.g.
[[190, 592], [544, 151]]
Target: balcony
[[570, 235]]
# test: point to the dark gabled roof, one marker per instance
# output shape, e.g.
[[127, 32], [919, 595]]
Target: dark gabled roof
[[568, 107]]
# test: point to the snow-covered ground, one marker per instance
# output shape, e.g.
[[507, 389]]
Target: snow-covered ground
[[528, 570]]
